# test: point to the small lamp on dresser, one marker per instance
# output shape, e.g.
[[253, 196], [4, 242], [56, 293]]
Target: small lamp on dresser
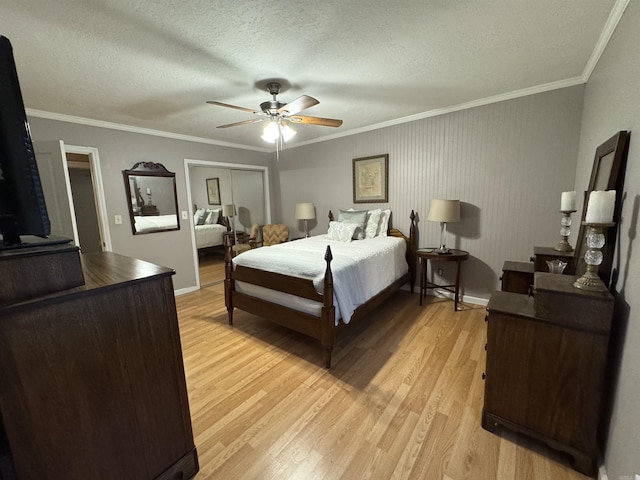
[[306, 212], [444, 211]]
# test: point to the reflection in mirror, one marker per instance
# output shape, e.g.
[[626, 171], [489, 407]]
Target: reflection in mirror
[[152, 198], [246, 188]]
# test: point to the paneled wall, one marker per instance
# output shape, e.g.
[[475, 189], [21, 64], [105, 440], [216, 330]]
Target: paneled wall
[[507, 162]]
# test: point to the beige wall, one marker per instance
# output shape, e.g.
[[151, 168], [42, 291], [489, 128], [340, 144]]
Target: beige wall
[[612, 103], [507, 162], [120, 150]]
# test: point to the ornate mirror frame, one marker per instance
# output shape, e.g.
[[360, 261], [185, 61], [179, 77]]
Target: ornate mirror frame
[[159, 212], [607, 174]]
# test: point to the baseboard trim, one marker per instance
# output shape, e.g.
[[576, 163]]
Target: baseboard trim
[[182, 291], [602, 473], [462, 299]]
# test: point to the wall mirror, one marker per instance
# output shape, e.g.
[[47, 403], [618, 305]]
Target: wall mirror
[[607, 174], [152, 198]]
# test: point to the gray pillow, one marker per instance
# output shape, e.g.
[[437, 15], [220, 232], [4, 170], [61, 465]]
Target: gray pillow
[[200, 216], [359, 217]]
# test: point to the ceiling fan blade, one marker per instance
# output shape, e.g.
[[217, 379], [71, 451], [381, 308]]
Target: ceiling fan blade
[[245, 122], [220, 104], [326, 122], [301, 103]]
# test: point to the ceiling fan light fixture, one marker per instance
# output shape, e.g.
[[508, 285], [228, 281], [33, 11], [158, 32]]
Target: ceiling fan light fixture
[[271, 132], [276, 130], [287, 133]]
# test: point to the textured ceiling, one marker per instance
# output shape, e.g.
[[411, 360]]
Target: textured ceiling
[[154, 64]]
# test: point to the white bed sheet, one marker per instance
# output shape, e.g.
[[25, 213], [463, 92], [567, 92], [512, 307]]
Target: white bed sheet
[[361, 269], [155, 222], [209, 235]]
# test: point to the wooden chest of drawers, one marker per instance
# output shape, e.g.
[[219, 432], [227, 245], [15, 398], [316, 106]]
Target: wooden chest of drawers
[[546, 360]]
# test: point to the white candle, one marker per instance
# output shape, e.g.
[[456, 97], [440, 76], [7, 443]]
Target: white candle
[[600, 206], [568, 201], [148, 191]]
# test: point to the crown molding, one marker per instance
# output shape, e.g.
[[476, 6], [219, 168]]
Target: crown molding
[[131, 129], [609, 27], [569, 82]]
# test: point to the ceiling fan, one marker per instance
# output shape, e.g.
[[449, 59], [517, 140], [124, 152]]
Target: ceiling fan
[[278, 113]]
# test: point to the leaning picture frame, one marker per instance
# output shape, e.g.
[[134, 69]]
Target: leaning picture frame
[[371, 179], [213, 191]]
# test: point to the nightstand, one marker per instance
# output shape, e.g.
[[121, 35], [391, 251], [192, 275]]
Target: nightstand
[[426, 254]]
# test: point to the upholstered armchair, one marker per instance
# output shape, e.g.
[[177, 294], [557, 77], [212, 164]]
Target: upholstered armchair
[[252, 241], [274, 234]]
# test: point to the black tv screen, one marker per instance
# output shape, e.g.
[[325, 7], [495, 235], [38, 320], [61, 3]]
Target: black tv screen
[[22, 206]]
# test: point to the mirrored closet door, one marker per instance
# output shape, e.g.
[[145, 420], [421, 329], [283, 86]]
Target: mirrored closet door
[[224, 199]]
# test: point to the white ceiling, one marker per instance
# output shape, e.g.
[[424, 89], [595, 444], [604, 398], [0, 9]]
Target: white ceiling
[[153, 64]]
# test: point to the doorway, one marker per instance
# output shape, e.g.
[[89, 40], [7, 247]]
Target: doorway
[[72, 184], [83, 194], [245, 186]]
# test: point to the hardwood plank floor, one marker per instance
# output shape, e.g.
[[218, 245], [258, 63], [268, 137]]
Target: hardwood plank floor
[[211, 268], [402, 401]]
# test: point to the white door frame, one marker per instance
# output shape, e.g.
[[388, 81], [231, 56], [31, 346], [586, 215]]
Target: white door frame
[[98, 191], [235, 166]]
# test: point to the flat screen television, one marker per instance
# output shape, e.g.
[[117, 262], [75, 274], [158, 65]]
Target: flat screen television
[[22, 205]]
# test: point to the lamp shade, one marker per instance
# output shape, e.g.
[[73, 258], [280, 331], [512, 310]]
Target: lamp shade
[[305, 211], [444, 210], [229, 210]]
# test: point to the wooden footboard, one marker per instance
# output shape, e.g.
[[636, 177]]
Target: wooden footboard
[[322, 328]]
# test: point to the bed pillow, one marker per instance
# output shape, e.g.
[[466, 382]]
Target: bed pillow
[[212, 217], [384, 223], [342, 232], [357, 217], [199, 217], [373, 223]]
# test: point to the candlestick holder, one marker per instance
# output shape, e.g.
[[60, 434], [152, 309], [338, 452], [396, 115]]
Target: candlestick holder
[[593, 258], [565, 231]]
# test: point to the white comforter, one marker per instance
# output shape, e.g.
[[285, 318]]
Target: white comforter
[[209, 235], [158, 222], [361, 268]]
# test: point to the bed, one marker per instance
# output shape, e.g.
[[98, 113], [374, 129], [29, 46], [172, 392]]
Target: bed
[[210, 227], [155, 223], [209, 235], [319, 286]]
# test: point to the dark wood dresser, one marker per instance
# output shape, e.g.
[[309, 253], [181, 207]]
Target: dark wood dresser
[[92, 380], [546, 359]]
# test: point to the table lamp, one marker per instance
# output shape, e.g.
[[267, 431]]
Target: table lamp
[[229, 211], [305, 211], [444, 211]]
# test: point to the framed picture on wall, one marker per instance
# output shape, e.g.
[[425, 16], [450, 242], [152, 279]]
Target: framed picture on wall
[[371, 179], [213, 191]]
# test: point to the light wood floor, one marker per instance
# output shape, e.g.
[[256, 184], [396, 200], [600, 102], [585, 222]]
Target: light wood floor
[[402, 400], [211, 268]]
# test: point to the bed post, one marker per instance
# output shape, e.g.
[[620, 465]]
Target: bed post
[[411, 251], [327, 322], [228, 281]]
